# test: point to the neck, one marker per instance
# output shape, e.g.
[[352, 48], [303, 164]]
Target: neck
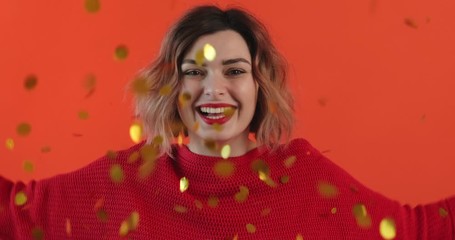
[[238, 146]]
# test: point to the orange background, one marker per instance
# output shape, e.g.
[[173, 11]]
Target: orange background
[[373, 82]]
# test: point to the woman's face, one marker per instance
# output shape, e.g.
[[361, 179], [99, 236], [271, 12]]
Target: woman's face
[[223, 94]]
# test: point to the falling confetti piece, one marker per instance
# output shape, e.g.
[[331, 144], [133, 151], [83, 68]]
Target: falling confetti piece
[[83, 115], [121, 52], [224, 168], [23, 129], [148, 154], [28, 166], [111, 154], [387, 228], [213, 202], [165, 90], [229, 111], [20, 199], [299, 237], [124, 229], [210, 144], [225, 151], [133, 157], [45, 149], [327, 190], [102, 215], [133, 221], [89, 84], [140, 86], [37, 233], [198, 204], [410, 23], [157, 140], [322, 102], [242, 195], [180, 209], [272, 106], [423, 117], [289, 162], [99, 204], [265, 212], [333, 210], [30, 82], [9, 144], [184, 184], [209, 52], [196, 126], [250, 228], [259, 165], [353, 189], [218, 127], [266, 178], [116, 173], [184, 98], [136, 132], [68, 227], [443, 213], [92, 6], [199, 57], [284, 179]]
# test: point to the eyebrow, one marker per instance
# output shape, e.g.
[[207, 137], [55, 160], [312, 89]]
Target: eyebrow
[[224, 62]]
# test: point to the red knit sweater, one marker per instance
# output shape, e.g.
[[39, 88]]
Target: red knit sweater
[[293, 193]]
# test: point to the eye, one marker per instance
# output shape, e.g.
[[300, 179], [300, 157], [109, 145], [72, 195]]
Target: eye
[[234, 72], [193, 73]]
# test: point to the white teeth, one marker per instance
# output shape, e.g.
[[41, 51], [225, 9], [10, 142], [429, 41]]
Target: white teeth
[[214, 110]]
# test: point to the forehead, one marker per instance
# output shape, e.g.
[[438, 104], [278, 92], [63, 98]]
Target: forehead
[[227, 44]]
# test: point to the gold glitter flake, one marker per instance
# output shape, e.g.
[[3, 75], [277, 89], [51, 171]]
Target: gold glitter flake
[[30, 82], [28, 166], [83, 115], [229, 111], [411, 23], [387, 228], [136, 132], [37, 233], [45, 149], [102, 215], [116, 173], [361, 215], [217, 127], [250, 228], [299, 237], [199, 57], [327, 190], [23, 129], [225, 151], [9, 144], [184, 98], [140, 86], [180, 139], [133, 157], [198, 204], [180, 209], [265, 212], [165, 90], [133, 220], [289, 162], [267, 179], [224, 168], [20, 199], [68, 228], [121, 52], [184, 184], [443, 213], [210, 144], [111, 154], [242, 195], [209, 52], [333, 210], [92, 6], [213, 202], [196, 126], [284, 179], [124, 229], [157, 140]]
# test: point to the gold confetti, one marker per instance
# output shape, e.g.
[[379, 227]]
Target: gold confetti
[[272, 106], [92, 6], [124, 229], [136, 132], [30, 82], [199, 57], [443, 213], [225, 151], [327, 190], [198, 204], [299, 237], [133, 157], [224, 168], [23, 129], [410, 23], [165, 90], [20, 199], [121, 52], [83, 115], [184, 98], [250, 228], [259, 165], [68, 227], [387, 228], [229, 111], [361, 215], [99, 204], [111, 154], [157, 140], [184, 184], [116, 173], [242, 195], [196, 126], [133, 220], [180, 209], [284, 179], [102, 215], [265, 212], [148, 154], [140, 86], [333, 210], [217, 127], [210, 144], [37, 233], [28, 166], [180, 139], [209, 52], [266, 178], [9, 144], [213, 202], [289, 162], [45, 149]]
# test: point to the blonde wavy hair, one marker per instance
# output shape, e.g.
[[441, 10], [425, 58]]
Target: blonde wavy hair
[[273, 119]]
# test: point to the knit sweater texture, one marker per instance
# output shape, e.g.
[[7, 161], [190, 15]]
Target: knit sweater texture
[[294, 192]]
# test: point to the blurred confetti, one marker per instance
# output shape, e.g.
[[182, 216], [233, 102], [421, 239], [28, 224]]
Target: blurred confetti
[[327, 190], [102, 215], [218, 127], [213, 201], [225, 151], [45, 149], [209, 52], [387, 228], [299, 237], [9, 144], [250, 228], [289, 162], [116, 173], [28, 166], [136, 132], [37, 233], [333, 210], [111, 154], [83, 115], [129, 224], [242, 195], [184, 98], [20, 199], [165, 90], [140, 86], [224, 168], [23, 129], [284, 179], [121, 52], [198, 204], [30, 82], [265, 212], [89, 84], [157, 140], [180, 209], [196, 126], [361, 215], [443, 213], [133, 157], [210, 144], [199, 57], [410, 23], [92, 6], [184, 184], [68, 227], [322, 102]]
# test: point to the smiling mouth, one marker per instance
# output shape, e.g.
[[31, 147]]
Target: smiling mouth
[[219, 115]]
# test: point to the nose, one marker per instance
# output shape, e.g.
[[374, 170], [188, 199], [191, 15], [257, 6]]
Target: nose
[[214, 85]]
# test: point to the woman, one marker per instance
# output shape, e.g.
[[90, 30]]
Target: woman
[[218, 79]]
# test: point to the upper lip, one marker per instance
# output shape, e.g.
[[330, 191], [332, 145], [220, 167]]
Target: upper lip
[[215, 105]]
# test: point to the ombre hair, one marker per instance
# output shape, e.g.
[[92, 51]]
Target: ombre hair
[[273, 118]]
